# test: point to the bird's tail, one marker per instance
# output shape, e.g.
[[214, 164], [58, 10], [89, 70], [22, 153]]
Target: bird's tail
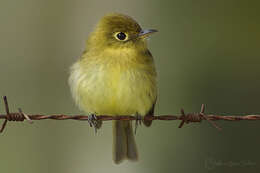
[[124, 146]]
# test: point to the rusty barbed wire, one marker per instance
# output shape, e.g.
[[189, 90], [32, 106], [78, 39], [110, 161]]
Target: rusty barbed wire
[[185, 118]]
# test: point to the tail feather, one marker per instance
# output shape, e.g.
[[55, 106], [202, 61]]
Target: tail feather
[[124, 146], [131, 145], [119, 142]]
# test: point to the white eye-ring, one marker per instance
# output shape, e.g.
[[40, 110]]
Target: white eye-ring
[[121, 36]]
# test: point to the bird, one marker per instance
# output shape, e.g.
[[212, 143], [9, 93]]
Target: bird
[[116, 75]]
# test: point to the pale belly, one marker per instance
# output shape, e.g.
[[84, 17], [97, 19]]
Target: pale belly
[[113, 91]]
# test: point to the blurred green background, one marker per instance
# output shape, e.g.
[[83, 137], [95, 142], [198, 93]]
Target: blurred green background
[[206, 52]]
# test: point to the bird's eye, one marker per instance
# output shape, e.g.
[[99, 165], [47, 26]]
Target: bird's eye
[[121, 36]]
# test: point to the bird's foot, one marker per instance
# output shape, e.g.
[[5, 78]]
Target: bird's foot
[[94, 122], [138, 121]]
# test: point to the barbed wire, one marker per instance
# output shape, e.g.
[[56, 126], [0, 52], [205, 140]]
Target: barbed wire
[[185, 118]]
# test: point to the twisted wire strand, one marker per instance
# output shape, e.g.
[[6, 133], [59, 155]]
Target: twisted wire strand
[[192, 117], [185, 118]]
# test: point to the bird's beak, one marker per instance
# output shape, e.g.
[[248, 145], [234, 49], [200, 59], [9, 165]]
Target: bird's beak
[[146, 33]]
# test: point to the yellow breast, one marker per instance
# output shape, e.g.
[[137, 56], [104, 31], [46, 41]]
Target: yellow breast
[[114, 86]]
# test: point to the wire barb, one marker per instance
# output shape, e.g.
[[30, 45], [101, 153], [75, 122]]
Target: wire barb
[[196, 117], [13, 116], [25, 116], [202, 115], [7, 114]]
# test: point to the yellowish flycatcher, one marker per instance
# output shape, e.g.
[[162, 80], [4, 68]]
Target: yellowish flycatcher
[[116, 76]]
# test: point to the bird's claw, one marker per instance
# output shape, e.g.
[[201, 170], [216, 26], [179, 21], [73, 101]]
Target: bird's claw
[[138, 121], [93, 121]]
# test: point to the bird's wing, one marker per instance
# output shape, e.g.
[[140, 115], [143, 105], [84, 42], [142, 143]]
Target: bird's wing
[[148, 123]]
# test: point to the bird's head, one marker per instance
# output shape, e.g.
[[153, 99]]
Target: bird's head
[[118, 31]]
